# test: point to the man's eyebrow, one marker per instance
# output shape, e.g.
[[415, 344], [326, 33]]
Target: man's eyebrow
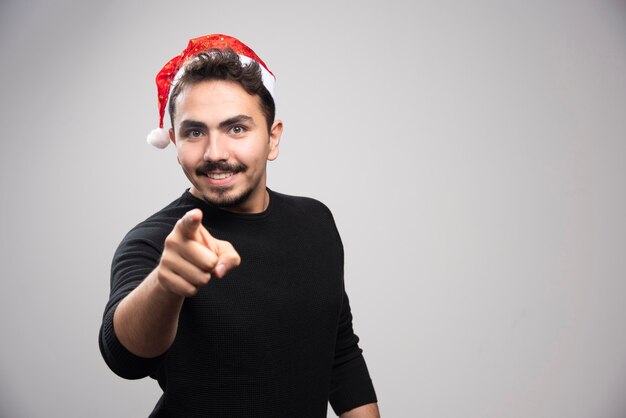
[[236, 119], [188, 124]]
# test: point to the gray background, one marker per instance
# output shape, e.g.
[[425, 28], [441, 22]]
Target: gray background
[[473, 154]]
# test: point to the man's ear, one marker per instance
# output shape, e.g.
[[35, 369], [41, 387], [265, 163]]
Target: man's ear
[[275, 134], [172, 136]]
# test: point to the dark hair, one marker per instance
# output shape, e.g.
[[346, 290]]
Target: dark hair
[[215, 64]]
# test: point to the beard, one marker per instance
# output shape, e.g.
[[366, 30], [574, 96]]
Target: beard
[[225, 198]]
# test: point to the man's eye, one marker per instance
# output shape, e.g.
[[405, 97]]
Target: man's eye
[[194, 133], [237, 129]]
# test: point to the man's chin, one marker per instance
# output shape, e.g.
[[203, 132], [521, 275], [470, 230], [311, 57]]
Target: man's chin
[[226, 199]]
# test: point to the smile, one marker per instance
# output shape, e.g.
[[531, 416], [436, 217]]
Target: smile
[[219, 176]]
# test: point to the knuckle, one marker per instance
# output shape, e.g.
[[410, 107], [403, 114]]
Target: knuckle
[[161, 272], [166, 281], [234, 262], [211, 260], [190, 291], [208, 262], [166, 262], [207, 267], [234, 258], [204, 279], [171, 241]]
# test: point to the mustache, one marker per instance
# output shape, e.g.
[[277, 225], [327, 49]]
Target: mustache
[[219, 166]]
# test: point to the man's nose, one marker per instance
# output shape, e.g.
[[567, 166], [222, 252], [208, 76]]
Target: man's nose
[[217, 149]]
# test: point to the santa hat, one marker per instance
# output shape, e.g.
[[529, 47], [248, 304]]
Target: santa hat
[[169, 75]]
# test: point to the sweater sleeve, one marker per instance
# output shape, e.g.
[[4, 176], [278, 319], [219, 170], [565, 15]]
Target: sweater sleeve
[[351, 385], [137, 255]]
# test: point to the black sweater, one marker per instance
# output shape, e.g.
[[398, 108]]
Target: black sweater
[[272, 339]]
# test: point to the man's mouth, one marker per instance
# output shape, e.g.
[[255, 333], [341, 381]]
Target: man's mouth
[[219, 170], [219, 176]]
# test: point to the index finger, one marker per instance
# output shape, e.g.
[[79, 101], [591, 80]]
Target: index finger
[[190, 223]]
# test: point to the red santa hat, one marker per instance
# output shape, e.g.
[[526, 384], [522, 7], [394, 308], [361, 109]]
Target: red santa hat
[[169, 75]]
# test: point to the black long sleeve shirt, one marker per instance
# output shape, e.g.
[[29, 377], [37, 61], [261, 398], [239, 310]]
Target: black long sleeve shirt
[[274, 338]]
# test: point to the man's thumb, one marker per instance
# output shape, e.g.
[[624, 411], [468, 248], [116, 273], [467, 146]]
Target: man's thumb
[[228, 259]]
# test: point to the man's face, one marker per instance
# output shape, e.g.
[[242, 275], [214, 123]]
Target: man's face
[[223, 144]]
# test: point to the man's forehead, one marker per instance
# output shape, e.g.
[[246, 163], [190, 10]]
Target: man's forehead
[[216, 100]]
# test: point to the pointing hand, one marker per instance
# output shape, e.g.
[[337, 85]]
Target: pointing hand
[[192, 256]]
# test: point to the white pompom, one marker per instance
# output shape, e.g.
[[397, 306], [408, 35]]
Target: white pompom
[[159, 138]]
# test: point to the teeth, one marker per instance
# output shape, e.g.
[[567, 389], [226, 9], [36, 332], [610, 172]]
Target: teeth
[[218, 176]]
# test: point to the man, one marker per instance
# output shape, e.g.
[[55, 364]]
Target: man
[[232, 296]]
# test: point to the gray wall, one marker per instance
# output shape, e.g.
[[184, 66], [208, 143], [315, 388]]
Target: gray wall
[[473, 153]]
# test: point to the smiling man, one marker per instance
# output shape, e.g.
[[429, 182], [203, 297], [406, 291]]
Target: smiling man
[[232, 296], [230, 173]]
